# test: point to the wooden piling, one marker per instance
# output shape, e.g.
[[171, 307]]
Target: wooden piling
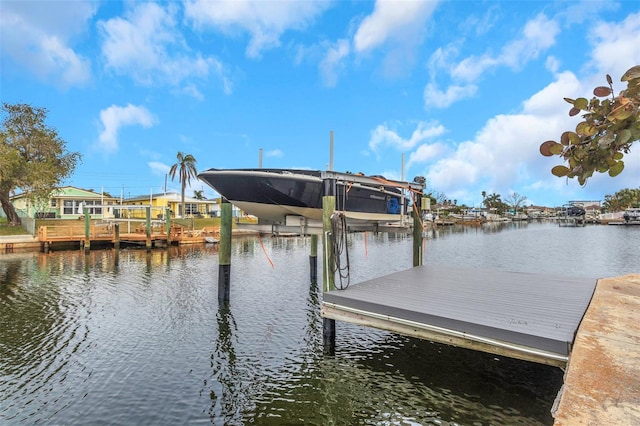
[[116, 236], [418, 233], [328, 260], [224, 253], [167, 215], [148, 227], [87, 230], [328, 264], [313, 259]]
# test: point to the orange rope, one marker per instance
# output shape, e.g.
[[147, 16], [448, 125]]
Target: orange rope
[[265, 251]]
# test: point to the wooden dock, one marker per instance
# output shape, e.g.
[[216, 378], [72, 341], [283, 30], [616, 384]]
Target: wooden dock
[[105, 233], [526, 316]]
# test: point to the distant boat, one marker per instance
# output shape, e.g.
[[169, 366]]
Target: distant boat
[[210, 240], [631, 216], [273, 194], [572, 215]]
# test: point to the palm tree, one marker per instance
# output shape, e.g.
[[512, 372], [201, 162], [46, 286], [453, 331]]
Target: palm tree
[[186, 168]]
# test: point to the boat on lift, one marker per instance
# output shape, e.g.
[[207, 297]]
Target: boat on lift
[[274, 194]]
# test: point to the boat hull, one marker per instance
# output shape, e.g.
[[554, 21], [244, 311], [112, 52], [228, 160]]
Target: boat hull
[[274, 194]]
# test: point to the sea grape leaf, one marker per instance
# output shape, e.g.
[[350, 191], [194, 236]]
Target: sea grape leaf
[[602, 91], [616, 169], [545, 148], [560, 171], [632, 73], [586, 129]]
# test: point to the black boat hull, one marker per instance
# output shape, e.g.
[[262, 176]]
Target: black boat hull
[[273, 194]]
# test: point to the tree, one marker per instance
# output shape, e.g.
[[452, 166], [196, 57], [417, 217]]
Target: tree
[[33, 158], [494, 201], [198, 195], [515, 200], [610, 126], [621, 200], [186, 169]]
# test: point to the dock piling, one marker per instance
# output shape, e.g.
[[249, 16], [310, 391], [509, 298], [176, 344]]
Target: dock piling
[[148, 227], [418, 233], [328, 264], [167, 215], [313, 259], [87, 230], [116, 236], [224, 253]]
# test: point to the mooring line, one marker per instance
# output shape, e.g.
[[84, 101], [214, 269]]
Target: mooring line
[[265, 251]]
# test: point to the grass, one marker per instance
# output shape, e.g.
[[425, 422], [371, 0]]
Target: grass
[[5, 229]]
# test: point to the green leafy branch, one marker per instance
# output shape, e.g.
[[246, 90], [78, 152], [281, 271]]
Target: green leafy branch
[[610, 126]]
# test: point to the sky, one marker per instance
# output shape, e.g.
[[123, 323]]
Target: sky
[[460, 92]]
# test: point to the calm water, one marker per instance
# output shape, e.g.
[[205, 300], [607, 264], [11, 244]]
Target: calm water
[[139, 338]]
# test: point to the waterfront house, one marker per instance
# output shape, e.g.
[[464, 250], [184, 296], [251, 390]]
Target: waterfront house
[[67, 202], [159, 202]]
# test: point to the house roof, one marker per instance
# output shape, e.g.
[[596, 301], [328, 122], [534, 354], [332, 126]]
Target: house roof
[[71, 192], [170, 196]]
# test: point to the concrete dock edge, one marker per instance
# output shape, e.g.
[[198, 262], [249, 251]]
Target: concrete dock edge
[[602, 380]]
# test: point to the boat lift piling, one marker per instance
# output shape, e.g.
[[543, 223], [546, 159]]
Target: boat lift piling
[[328, 263], [313, 259], [224, 254], [328, 209]]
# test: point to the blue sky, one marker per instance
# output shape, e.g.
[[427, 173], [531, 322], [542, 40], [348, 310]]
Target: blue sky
[[465, 90]]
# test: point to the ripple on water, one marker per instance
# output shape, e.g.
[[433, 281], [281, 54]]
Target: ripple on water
[[139, 338]]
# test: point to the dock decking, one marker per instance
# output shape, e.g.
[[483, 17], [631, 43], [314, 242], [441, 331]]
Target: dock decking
[[521, 315]]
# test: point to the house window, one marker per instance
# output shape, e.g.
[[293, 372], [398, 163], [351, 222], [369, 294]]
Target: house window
[[54, 202], [93, 210], [68, 207], [190, 208]]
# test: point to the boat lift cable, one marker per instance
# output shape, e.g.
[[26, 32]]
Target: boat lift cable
[[340, 250]]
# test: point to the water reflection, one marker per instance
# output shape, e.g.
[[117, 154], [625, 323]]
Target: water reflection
[[227, 389]]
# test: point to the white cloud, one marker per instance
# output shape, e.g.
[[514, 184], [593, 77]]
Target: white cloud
[[382, 136], [392, 20], [548, 102], [115, 117], [274, 153], [434, 97], [426, 153], [332, 62], [146, 45], [192, 90], [617, 46], [38, 36], [157, 168], [399, 27], [537, 36], [265, 21], [505, 153]]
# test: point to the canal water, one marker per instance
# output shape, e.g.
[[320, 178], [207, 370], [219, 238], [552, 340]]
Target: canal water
[[138, 337]]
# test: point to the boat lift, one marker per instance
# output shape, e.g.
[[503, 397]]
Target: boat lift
[[357, 221]]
